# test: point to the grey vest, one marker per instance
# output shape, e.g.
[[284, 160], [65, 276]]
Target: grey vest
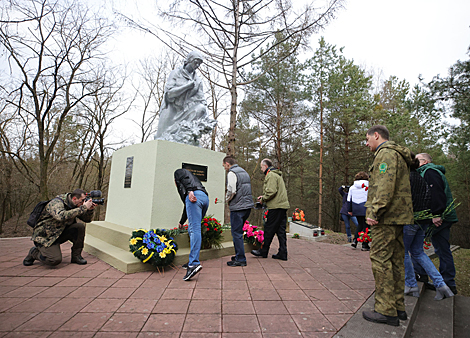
[[242, 199]]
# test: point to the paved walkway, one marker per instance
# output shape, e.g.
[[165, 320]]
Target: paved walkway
[[313, 294]]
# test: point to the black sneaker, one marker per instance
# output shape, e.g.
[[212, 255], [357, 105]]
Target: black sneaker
[[277, 256], [29, 260], [192, 271], [78, 260], [236, 263], [185, 266], [376, 317]]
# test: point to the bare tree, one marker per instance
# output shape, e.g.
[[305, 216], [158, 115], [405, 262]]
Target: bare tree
[[50, 48], [230, 31]]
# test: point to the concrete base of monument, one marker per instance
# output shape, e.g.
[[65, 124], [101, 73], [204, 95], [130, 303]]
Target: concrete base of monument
[[110, 243]]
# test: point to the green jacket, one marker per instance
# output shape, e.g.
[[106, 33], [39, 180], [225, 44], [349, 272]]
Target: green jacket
[[274, 190], [389, 199], [452, 216], [58, 214]]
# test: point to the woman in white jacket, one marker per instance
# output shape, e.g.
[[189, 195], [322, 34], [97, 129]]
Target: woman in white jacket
[[357, 198]]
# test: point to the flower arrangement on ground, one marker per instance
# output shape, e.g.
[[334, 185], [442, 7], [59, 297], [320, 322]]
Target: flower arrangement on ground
[[364, 236], [296, 236], [298, 215], [211, 231], [155, 246], [252, 235]]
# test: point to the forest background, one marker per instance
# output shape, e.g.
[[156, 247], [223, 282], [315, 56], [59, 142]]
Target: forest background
[[61, 97]]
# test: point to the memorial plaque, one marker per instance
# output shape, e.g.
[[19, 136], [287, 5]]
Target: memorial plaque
[[128, 176], [200, 171]]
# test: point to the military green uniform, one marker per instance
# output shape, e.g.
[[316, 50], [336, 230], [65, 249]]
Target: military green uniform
[[58, 224], [389, 202]]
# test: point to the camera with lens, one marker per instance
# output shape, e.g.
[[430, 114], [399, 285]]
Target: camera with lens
[[95, 195]]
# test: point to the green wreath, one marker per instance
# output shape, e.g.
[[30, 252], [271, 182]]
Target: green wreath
[[153, 246]]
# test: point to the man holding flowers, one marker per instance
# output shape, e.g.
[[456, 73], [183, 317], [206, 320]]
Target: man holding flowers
[[240, 202]]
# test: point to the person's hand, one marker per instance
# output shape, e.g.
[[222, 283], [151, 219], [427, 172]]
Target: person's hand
[[437, 221], [191, 197], [350, 213], [371, 221], [259, 198], [89, 204]]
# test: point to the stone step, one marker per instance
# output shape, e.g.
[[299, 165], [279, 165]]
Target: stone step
[[119, 235], [435, 318], [461, 317], [124, 260], [358, 327]]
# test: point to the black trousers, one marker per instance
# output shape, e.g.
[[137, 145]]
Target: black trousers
[[275, 225]]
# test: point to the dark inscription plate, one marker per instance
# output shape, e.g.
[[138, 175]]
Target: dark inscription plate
[[128, 176], [200, 171]]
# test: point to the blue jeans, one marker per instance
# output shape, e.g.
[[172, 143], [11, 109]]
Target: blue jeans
[[440, 242], [196, 211], [237, 219], [346, 219], [413, 239]]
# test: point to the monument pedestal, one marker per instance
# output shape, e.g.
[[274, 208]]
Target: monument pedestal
[[142, 195]]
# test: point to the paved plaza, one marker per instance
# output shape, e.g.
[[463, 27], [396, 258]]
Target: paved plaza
[[313, 294]]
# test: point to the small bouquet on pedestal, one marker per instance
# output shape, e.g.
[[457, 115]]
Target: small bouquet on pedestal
[[298, 215]]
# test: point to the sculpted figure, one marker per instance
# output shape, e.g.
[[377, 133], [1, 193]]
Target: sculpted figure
[[183, 113]]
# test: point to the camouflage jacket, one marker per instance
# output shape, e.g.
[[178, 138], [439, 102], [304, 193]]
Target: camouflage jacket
[[58, 214], [389, 200]]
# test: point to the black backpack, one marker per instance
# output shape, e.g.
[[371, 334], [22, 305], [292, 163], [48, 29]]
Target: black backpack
[[37, 211]]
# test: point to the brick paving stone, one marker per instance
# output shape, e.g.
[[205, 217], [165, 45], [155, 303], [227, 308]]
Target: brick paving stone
[[268, 307], [237, 308], [106, 282], [200, 293], [59, 291], [278, 324], [10, 321], [68, 304], [103, 305], [235, 285], [42, 334], [86, 322], [125, 322], [71, 334], [338, 321], [241, 323], [292, 295], [177, 294], [128, 283], [46, 321], [313, 322], [17, 281], [160, 335], [25, 291], [332, 307], [34, 305], [145, 293], [203, 323], [136, 305], [172, 306], [7, 303], [205, 306], [88, 291], [113, 292], [241, 335], [198, 335], [164, 323], [235, 295], [300, 307], [264, 294], [117, 335]]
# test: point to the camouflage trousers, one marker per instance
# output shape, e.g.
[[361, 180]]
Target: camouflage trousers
[[387, 254], [52, 255]]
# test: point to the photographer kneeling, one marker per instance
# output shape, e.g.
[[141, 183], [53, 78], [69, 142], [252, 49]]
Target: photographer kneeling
[[58, 224]]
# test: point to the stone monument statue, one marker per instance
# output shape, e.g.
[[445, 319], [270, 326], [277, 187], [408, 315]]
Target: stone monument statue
[[183, 113]]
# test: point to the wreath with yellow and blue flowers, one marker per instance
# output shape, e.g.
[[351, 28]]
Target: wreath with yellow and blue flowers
[[154, 246]]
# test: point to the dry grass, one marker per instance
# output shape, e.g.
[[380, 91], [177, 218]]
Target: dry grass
[[462, 269]]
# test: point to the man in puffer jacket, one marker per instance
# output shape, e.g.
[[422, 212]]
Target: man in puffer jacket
[[275, 197], [389, 208], [357, 198]]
